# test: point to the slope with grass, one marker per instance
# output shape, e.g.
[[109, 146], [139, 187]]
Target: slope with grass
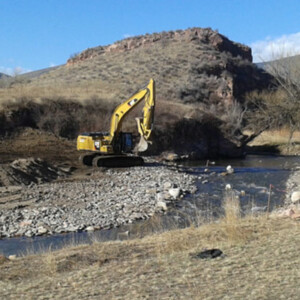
[[260, 261], [194, 65]]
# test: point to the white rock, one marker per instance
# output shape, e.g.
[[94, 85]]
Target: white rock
[[295, 196], [42, 230], [90, 228], [167, 185], [228, 187], [229, 169], [174, 192], [162, 205], [12, 257]]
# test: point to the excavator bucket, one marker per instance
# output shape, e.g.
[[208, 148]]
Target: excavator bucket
[[141, 146]]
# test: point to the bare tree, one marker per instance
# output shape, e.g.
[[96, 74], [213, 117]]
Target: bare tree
[[286, 72], [280, 105]]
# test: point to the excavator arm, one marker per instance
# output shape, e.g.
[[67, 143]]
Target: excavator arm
[[145, 124]]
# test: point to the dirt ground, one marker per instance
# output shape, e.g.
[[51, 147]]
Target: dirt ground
[[38, 144]]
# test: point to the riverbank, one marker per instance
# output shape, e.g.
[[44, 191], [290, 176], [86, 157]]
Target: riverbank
[[260, 261], [102, 199]]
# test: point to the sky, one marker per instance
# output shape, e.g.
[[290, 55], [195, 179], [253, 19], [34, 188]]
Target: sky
[[37, 34]]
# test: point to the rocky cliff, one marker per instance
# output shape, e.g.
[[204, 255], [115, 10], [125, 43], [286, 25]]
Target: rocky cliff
[[200, 36]]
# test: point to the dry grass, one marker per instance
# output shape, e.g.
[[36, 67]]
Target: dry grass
[[277, 140], [264, 265], [275, 137], [231, 223], [80, 92]]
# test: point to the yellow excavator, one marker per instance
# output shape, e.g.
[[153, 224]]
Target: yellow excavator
[[112, 149]]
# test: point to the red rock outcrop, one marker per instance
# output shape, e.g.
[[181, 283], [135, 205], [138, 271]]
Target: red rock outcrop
[[195, 35]]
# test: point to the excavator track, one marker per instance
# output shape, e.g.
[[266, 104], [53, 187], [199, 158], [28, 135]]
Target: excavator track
[[87, 159], [111, 161]]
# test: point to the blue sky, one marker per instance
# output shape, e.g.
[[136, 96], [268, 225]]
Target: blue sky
[[36, 34]]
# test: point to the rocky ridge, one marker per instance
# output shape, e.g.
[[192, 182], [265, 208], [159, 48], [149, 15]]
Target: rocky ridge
[[198, 35]]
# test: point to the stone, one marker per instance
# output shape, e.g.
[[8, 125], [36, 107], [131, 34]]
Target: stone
[[167, 185], [295, 197], [175, 192], [25, 223], [29, 233], [229, 169], [193, 190], [90, 228], [228, 187], [162, 205], [12, 257], [42, 230]]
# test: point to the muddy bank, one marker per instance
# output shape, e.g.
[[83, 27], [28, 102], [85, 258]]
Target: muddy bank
[[104, 200], [30, 170]]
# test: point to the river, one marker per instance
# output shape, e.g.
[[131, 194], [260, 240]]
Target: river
[[251, 180]]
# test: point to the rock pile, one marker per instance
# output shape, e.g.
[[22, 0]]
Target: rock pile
[[119, 197]]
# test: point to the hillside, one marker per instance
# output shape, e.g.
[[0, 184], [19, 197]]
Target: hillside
[[200, 76], [193, 65], [29, 75], [2, 75], [285, 61]]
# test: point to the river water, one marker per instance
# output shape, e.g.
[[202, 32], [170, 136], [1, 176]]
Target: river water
[[251, 180]]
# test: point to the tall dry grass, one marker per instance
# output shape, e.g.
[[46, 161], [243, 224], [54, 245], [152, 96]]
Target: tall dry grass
[[276, 137], [231, 222]]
